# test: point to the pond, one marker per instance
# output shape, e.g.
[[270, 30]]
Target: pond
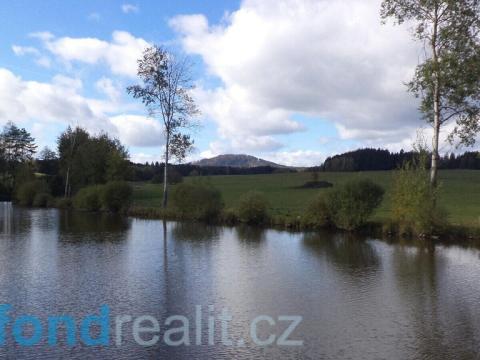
[[342, 296]]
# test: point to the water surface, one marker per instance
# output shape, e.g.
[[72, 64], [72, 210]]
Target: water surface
[[360, 298]]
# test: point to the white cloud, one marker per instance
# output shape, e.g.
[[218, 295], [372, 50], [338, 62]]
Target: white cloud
[[60, 102], [94, 17], [43, 61], [129, 8], [327, 59], [137, 130], [51, 102], [40, 59], [297, 158], [120, 55], [42, 35], [109, 87], [142, 158], [24, 50]]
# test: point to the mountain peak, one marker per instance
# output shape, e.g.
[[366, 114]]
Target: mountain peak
[[236, 160]]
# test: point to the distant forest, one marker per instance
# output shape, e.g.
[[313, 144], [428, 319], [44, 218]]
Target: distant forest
[[379, 159], [154, 171], [358, 160]]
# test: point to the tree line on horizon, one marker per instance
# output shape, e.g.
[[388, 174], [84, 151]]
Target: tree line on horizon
[[370, 159], [82, 160]]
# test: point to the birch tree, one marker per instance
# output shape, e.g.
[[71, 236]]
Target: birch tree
[[165, 90], [448, 79]]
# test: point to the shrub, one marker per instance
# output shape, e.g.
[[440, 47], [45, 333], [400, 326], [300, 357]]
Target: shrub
[[42, 200], [414, 200], [63, 203], [117, 195], [253, 208], [157, 179], [27, 191], [317, 214], [89, 198], [316, 185], [197, 201], [229, 216], [351, 204]]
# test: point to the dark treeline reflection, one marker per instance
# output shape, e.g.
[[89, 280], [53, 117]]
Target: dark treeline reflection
[[186, 231], [440, 312], [11, 220], [250, 234], [351, 253], [99, 224]]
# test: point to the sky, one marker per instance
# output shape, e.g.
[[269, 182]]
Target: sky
[[292, 81]]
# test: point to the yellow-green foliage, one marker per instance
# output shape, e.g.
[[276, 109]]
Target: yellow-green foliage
[[351, 204], [317, 214], [27, 191], [89, 198], [414, 201], [113, 196], [116, 196], [253, 208], [197, 201]]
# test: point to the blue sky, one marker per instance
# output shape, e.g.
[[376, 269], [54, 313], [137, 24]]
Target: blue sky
[[291, 81]]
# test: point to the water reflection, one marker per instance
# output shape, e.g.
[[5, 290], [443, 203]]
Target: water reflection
[[250, 234], [360, 298], [350, 253], [185, 231], [5, 218], [13, 220], [438, 307], [86, 226]]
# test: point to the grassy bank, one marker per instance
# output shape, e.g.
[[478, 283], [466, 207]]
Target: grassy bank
[[460, 192]]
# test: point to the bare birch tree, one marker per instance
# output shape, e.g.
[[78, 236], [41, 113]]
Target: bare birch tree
[[165, 91]]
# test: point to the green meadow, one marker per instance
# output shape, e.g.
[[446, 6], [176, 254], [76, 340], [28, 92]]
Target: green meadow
[[460, 191]]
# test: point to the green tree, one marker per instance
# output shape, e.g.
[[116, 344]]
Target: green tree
[[71, 167], [17, 148], [448, 79], [90, 160], [165, 91]]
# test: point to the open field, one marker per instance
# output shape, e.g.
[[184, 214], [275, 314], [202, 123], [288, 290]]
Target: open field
[[460, 191]]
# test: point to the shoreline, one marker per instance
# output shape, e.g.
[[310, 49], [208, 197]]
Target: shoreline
[[453, 234], [383, 230]]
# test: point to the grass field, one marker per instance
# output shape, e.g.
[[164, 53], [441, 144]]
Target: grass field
[[460, 191]]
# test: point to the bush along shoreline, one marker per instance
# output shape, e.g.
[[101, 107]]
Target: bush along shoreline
[[114, 196], [346, 207]]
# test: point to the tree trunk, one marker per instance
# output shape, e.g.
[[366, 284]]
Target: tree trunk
[[436, 104], [66, 182], [165, 174], [435, 153]]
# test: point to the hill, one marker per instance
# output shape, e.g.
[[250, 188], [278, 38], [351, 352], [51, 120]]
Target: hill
[[236, 160]]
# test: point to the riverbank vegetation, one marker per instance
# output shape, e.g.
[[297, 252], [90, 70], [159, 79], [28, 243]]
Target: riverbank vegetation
[[291, 206], [93, 173]]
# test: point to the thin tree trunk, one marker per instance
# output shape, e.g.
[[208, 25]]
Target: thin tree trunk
[[165, 173], [436, 105], [66, 182], [435, 153]]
